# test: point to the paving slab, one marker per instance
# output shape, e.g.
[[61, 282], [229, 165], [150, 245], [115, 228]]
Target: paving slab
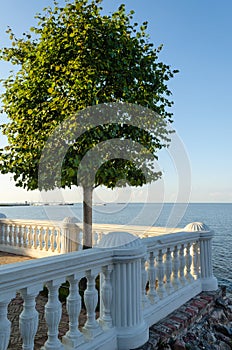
[[8, 258]]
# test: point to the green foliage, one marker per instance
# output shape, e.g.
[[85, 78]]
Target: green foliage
[[74, 58]]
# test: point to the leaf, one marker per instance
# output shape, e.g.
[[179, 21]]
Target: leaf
[[50, 90]]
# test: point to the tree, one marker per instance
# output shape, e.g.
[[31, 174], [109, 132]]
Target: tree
[[74, 58]]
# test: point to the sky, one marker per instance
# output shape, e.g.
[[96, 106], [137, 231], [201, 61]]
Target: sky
[[196, 38]]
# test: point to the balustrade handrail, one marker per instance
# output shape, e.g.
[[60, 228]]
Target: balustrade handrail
[[136, 229], [34, 222], [17, 276], [139, 229], [172, 239]]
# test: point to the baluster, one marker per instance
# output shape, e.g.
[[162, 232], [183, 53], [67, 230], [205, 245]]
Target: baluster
[[25, 239], [168, 265], [58, 241], [100, 236], [152, 295], [40, 237], [28, 320], [1, 233], [5, 234], [10, 235], [52, 240], [144, 281], [55, 239], [35, 237], [91, 327], [14, 235], [106, 295], [182, 265], [95, 238], [20, 235], [46, 239], [196, 262], [176, 264], [188, 258], [53, 316], [29, 236], [73, 337], [80, 246], [5, 325], [160, 274]]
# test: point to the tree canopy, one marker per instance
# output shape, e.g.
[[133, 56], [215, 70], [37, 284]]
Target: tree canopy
[[76, 57]]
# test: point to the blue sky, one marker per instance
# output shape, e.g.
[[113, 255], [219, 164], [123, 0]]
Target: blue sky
[[197, 40]]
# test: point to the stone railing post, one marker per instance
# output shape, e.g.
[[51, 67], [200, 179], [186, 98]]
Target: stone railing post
[[70, 235], [126, 280], [208, 280], [2, 216]]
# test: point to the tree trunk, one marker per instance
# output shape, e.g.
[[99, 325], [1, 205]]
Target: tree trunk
[[87, 217]]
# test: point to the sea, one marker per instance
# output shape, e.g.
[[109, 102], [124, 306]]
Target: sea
[[217, 216]]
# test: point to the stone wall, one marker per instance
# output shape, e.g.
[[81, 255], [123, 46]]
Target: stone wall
[[205, 322]]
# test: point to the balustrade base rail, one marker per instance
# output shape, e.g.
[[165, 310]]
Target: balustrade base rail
[[156, 312]]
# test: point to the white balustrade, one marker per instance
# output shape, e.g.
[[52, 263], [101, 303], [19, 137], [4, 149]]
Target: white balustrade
[[28, 320], [73, 337], [182, 264], [168, 271], [160, 274], [144, 275], [189, 260], [10, 234], [24, 236], [106, 295], [142, 281], [152, 294], [91, 327], [32, 238], [53, 313], [176, 265], [20, 236], [5, 325]]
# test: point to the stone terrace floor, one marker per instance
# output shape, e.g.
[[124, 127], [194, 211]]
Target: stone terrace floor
[[8, 258]]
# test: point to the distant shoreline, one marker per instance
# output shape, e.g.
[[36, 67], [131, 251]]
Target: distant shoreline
[[14, 204], [31, 204], [35, 204]]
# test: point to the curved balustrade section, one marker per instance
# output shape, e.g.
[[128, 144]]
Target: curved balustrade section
[[45, 238], [32, 238], [141, 281]]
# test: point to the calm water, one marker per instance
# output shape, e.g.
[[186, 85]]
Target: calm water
[[217, 216]]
